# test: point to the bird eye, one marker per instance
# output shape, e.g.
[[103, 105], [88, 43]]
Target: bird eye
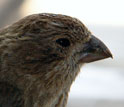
[[64, 42]]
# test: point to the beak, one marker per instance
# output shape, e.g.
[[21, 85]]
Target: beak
[[94, 50]]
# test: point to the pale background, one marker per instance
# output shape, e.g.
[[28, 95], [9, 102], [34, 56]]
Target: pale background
[[100, 84]]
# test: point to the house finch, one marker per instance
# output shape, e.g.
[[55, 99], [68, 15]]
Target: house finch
[[40, 57]]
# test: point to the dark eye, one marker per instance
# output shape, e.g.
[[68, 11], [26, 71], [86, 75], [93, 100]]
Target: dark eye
[[63, 42]]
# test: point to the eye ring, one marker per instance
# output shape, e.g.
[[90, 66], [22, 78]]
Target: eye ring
[[64, 42]]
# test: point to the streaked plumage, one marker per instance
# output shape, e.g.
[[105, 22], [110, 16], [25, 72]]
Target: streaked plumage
[[40, 57]]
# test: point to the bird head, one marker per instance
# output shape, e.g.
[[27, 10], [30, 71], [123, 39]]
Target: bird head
[[52, 45]]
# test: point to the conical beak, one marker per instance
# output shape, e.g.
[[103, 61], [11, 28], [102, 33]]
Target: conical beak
[[94, 50]]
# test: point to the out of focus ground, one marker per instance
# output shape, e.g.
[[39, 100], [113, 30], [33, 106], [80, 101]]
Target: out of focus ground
[[95, 103]]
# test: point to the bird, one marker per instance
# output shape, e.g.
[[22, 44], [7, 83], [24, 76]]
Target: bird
[[40, 57]]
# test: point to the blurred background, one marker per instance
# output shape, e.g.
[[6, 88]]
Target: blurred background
[[99, 84]]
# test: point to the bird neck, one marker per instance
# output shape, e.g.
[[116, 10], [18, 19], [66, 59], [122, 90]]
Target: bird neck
[[51, 90], [55, 95], [58, 83]]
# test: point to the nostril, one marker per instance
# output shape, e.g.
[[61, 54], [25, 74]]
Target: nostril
[[89, 49]]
